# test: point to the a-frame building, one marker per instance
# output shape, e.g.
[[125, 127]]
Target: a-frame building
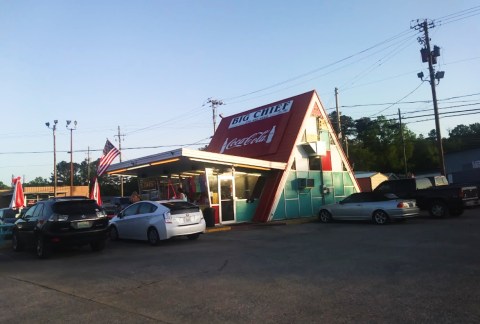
[[278, 161]]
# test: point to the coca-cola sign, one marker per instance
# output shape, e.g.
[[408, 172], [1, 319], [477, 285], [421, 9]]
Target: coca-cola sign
[[264, 136], [278, 109]]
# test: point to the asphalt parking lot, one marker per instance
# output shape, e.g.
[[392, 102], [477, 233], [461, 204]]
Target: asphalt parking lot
[[420, 271]]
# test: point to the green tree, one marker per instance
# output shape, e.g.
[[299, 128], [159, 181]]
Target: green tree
[[38, 182], [425, 156], [3, 186], [346, 122]]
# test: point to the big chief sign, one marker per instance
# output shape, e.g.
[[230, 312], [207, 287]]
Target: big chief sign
[[256, 133], [260, 114]]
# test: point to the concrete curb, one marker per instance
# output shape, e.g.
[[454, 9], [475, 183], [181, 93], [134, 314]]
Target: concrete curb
[[247, 226]]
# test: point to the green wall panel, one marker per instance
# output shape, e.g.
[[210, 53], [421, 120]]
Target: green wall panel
[[327, 178], [292, 208], [349, 191], [317, 176], [245, 211], [347, 180], [338, 183], [291, 186], [280, 212], [316, 204], [305, 204]]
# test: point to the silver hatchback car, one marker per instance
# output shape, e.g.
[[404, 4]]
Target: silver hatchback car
[[158, 220]]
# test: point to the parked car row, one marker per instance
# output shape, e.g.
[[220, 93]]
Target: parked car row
[[404, 198], [78, 221]]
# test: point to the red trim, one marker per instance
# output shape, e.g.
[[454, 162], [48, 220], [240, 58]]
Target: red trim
[[268, 197], [327, 161], [251, 139]]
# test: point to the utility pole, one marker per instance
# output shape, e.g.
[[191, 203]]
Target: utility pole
[[88, 167], [54, 128], [339, 125], [71, 128], [431, 57], [214, 103], [120, 138], [403, 143]]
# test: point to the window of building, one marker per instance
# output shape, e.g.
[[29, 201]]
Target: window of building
[[245, 184], [314, 163]]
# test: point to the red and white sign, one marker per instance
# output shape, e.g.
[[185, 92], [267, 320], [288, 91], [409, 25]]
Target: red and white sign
[[268, 132], [263, 113], [257, 137]]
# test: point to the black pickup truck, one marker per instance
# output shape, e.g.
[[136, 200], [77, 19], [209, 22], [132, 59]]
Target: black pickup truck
[[440, 199]]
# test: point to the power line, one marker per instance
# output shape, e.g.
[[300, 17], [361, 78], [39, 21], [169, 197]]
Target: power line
[[461, 15], [320, 68], [398, 100], [407, 102], [200, 142]]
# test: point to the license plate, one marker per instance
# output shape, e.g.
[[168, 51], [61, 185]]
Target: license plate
[[85, 224]]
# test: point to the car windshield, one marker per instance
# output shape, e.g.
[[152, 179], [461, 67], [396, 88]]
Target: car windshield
[[75, 207]]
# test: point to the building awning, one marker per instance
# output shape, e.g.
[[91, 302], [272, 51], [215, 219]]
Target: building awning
[[184, 160]]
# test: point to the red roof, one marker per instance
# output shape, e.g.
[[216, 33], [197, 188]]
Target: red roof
[[268, 132]]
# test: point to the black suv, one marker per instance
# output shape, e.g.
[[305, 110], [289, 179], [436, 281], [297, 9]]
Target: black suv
[[8, 215], [59, 222]]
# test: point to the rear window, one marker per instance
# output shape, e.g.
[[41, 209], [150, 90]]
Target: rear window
[[180, 205], [8, 213], [122, 201], [75, 207]]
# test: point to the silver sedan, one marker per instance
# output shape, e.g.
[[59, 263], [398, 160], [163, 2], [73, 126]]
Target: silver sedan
[[379, 208], [158, 220]]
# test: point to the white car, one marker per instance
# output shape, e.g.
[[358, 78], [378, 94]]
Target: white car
[[158, 220]]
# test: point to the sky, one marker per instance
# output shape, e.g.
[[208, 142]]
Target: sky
[[146, 69]]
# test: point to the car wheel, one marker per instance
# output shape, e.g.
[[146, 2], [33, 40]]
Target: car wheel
[[113, 233], [438, 209], [17, 245], [97, 245], [380, 217], [153, 237], [44, 250], [324, 216], [193, 236]]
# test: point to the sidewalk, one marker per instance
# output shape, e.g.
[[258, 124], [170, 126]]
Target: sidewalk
[[248, 226]]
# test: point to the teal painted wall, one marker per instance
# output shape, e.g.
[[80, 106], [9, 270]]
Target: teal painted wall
[[297, 203], [245, 211]]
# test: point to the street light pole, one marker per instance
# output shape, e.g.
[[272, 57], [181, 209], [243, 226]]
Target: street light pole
[[54, 128], [71, 128]]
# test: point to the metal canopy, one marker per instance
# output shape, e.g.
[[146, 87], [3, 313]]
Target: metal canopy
[[184, 160]]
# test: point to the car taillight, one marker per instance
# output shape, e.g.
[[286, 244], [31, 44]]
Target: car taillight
[[168, 217], [402, 205]]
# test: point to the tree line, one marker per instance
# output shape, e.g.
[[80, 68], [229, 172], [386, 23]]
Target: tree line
[[377, 145], [83, 174], [371, 145]]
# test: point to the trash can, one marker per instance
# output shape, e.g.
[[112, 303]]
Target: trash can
[[209, 215]]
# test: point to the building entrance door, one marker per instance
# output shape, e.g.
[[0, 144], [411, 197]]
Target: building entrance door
[[226, 191]]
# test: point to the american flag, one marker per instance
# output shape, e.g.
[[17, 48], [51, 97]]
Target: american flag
[[110, 152]]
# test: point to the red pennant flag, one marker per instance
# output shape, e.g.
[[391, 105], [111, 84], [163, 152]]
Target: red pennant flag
[[95, 193]]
